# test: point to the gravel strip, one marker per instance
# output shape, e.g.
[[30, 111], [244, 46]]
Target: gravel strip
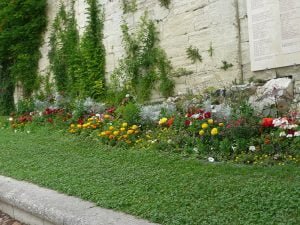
[[7, 220]]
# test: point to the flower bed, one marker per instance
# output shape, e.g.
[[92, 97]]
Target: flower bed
[[242, 137]]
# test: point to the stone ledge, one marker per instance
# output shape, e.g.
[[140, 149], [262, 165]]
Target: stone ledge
[[39, 206]]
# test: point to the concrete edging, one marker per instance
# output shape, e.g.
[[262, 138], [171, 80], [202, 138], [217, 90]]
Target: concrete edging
[[39, 206]]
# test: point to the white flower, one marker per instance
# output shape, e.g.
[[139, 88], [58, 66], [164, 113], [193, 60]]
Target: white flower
[[31, 113], [297, 134], [15, 131], [98, 115], [211, 159], [40, 113], [28, 132], [282, 134], [195, 150], [293, 126], [289, 135], [233, 147], [127, 95], [195, 116], [11, 119], [169, 141], [252, 148]]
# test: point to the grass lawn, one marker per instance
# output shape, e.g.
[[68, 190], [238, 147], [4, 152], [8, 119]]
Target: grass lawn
[[162, 188]]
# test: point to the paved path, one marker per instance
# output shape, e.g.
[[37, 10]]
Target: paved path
[[28, 202], [6, 220]]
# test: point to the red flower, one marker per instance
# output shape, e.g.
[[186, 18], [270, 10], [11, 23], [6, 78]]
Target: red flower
[[111, 110], [50, 120], [207, 115], [267, 122], [187, 122], [170, 121]]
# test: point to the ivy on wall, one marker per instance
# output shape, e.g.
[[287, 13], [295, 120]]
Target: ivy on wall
[[78, 64], [145, 66], [22, 23]]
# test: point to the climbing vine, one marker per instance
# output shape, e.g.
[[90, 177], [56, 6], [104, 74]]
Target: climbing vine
[[145, 66], [165, 3], [78, 64], [129, 6], [22, 23]]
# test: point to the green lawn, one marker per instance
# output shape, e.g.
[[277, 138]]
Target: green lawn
[[162, 188]]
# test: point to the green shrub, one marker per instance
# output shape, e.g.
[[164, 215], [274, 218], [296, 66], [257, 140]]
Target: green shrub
[[129, 113]]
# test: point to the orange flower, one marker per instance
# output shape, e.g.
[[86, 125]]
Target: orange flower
[[267, 122], [170, 121]]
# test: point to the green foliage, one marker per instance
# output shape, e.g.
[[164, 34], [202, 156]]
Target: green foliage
[[129, 113], [210, 50], [226, 65], [165, 3], [193, 54], [129, 6], [145, 66], [25, 106], [79, 65], [22, 23]]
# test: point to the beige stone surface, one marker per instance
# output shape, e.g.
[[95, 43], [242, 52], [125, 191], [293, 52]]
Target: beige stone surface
[[200, 23]]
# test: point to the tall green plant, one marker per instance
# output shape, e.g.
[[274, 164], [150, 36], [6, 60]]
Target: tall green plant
[[145, 66], [22, 23], [78, 64]]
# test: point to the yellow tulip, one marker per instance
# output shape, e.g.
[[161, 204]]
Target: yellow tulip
[[134, 127], [130, 131], [106, 116], [204, 126], [201, 132], [163, 121], [116, 133], [214, 131]]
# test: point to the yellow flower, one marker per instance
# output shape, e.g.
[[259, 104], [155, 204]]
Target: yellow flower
[[204, 126], [214, 131], [134, 127], [122, 129], [107, 132], [72, 131], [125, 136], [111, 128], [163, 121], [72, 125], [116, 133], [106, 116], [79, 126], [124, 124], [221, 124], [210, 121], [130, 131], [102, 134], [201, 132]]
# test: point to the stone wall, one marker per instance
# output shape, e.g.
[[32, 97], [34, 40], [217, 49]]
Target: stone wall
[[200, 23]]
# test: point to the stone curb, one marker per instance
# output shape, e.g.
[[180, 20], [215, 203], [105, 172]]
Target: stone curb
[[39, 206]]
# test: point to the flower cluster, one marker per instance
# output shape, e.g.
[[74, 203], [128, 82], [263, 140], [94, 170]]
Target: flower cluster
[[122, 133], [210, 128]]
